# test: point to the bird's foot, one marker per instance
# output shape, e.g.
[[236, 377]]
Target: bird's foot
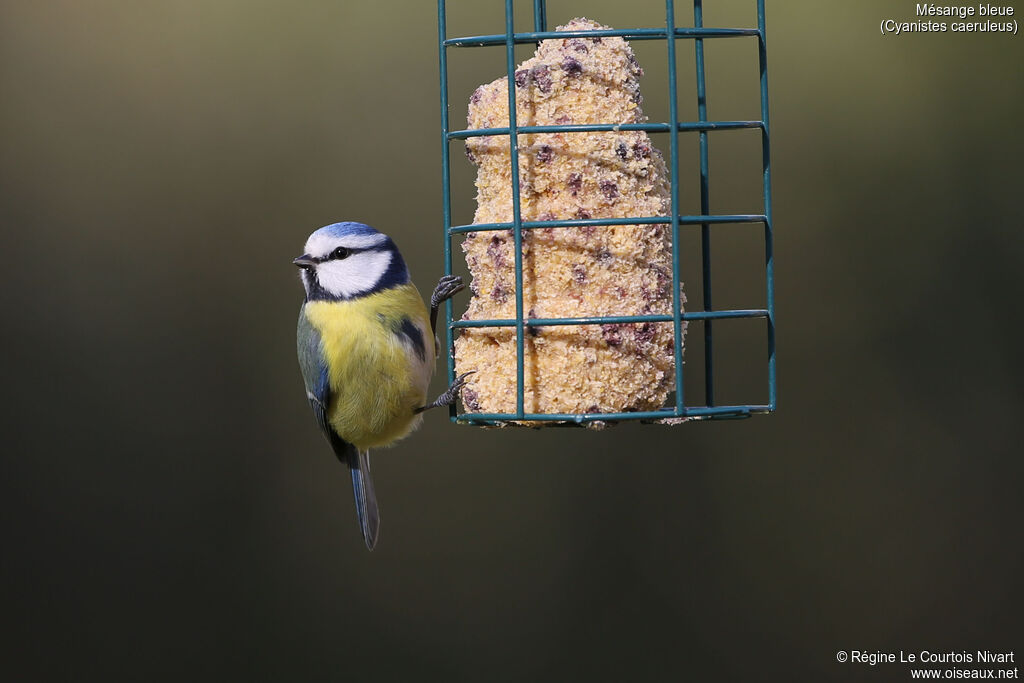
[[450, 394], [447, 287]]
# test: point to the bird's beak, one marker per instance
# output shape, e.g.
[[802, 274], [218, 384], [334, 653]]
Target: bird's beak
[[305, 261]]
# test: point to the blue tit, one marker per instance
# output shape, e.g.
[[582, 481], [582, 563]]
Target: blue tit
[[366, 349]]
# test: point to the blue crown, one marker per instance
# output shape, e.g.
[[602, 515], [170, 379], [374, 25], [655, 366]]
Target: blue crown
[[346, 229]]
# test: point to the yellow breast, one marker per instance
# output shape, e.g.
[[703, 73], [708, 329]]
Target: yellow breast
[[377, 378]]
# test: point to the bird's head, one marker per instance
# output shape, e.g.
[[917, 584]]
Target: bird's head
[[349, 260]]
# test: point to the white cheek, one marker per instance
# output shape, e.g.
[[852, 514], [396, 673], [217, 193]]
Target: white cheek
[[355, 275]]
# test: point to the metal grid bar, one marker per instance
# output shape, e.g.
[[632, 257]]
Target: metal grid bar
[[636, 220], [610, 319], [446, 198], [609, 127], [705, 219], [632, 34], [540, 16], [705, 208], [513, 141], [769, 258], [650, 415], [673, 106]]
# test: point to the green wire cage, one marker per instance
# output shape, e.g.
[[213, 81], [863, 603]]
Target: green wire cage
[[678, 408]]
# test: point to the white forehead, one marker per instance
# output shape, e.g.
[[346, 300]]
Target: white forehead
[[322, 243]]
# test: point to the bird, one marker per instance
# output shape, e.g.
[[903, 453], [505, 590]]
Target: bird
[[367, 349]]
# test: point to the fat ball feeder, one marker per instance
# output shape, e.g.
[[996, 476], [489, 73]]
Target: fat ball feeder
[[577, 315]]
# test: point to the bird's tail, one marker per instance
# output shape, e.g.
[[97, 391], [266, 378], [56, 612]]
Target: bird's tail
[[366, 498]]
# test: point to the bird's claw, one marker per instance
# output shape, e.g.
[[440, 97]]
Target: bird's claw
[[460, 382], [450, 394], [446, 288]]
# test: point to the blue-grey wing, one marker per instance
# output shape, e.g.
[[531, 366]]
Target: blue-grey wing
[[314, 372], [318, 391]]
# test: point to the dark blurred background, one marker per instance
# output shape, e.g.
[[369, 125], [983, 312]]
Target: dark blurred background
[[170, 512]]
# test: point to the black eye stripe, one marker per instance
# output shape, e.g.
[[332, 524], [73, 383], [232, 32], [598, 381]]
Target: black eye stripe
[[349, 251]]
